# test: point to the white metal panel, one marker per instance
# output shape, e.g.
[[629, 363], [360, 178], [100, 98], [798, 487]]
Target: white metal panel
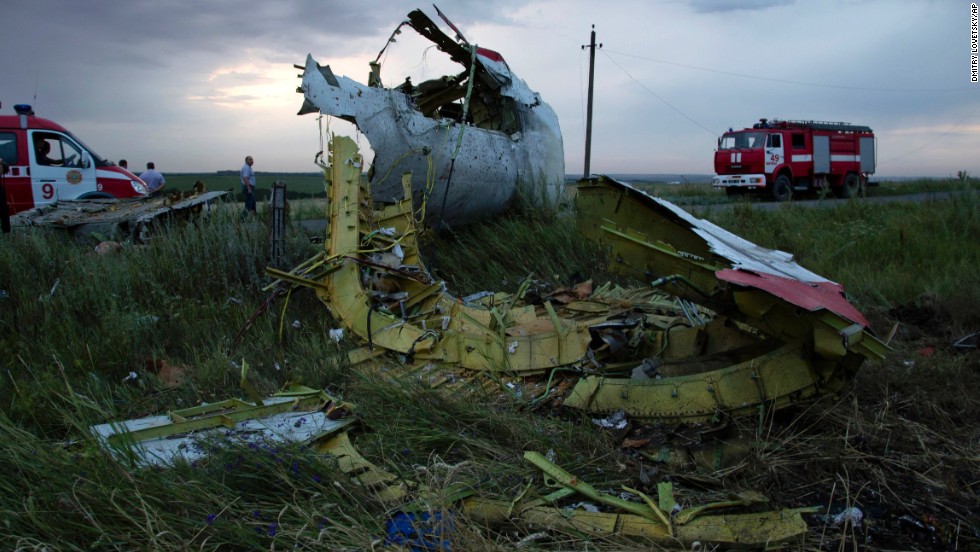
[[489, 164]]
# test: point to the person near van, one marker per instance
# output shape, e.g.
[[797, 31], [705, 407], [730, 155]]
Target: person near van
[[152, 178], [248, 185], [41, 150], [124, 164]]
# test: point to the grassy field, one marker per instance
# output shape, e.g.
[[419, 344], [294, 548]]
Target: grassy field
[[298, 185], [704, 194], [310, 185], [84, 336]]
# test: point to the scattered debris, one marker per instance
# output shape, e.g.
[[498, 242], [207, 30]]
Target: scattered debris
[[661, 520], [967, 342], [616, 421], [108, 248], [172, 375], [303, 415], [126, 217], [295, 415], [419, 531], [724, 327], [851, 515]]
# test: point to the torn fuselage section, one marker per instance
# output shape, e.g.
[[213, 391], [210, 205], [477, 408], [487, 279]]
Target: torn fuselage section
[[471, 140], [724, 326]]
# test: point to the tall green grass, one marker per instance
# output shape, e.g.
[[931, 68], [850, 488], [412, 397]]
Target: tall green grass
[[691, 193], [886, 254], [74, 325]]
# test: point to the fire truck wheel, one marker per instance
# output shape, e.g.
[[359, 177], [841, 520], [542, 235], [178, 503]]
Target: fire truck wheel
[[782, 190], [850, 186]]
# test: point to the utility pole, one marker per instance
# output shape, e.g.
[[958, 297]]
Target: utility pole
[[588, 117]]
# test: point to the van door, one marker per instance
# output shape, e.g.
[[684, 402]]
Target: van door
[[60, 168]]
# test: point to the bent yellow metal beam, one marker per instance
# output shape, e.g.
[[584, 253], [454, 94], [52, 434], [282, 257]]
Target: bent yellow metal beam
[[425, 321], [373, 281], [775, 379], [749, 531], [743, 530]]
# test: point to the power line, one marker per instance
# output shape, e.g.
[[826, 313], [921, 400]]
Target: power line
[[785, 81], [655, 95]]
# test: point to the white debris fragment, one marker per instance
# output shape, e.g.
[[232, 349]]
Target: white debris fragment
[[512, 348], [531, 540], [131, 377], [296, 324], [336, 334], [587, 506], [615, 421], [852, 515]]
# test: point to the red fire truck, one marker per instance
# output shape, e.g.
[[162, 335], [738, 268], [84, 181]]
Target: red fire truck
[[785, 157], [43, 162]]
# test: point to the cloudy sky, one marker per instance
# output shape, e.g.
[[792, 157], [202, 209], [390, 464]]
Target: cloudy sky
[[196, 85]]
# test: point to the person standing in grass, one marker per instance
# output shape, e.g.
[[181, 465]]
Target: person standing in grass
[[152, 178], [248, 186]]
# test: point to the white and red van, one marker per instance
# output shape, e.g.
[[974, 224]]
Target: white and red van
[[46, 163]]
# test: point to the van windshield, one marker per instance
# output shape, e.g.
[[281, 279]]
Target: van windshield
[[96, 158], [742, 140]]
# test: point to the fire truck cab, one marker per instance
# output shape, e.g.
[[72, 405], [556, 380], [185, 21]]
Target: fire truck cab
[[785, 157], [43, 163]]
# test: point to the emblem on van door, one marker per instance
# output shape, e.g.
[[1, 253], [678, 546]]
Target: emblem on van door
[[74, 176]]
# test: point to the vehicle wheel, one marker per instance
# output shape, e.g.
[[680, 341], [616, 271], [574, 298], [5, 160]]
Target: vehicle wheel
[[782, 190], [851, 186]]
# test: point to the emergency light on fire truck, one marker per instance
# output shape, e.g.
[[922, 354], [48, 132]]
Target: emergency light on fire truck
[[786, 157]]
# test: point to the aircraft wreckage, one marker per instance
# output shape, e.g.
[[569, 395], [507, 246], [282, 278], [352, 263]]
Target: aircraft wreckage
[[132, 217], [470, 140], [724, 328]]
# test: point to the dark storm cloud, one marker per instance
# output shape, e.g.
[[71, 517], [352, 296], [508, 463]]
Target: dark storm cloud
[[201, 81], [140, 31], [84, 61]]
